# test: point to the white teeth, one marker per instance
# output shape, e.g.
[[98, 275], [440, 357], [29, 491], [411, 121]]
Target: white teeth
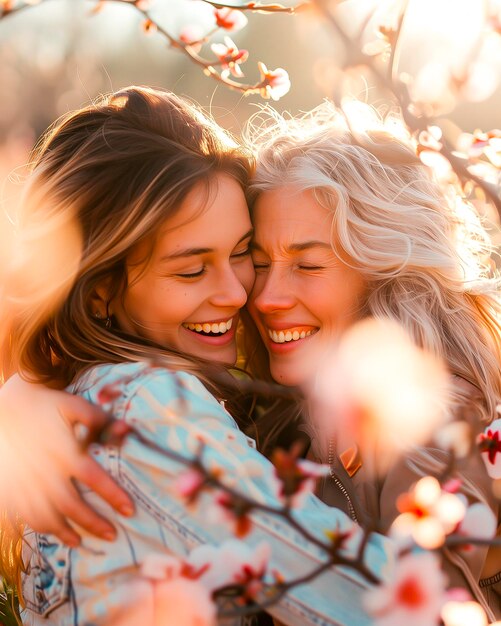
[[288, 335], [215, 328]]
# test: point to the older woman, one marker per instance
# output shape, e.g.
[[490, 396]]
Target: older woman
[[350, 224]]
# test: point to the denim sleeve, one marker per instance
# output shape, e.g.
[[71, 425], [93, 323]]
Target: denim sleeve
[[176, 411]]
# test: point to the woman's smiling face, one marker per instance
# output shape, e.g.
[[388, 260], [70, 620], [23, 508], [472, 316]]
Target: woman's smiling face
[[188, 294], [304, 295]]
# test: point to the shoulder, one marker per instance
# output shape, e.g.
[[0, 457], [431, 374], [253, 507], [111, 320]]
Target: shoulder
[[147, 389], [131, 377]]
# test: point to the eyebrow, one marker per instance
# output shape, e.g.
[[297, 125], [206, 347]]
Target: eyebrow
[[299, 246], [189, 252]]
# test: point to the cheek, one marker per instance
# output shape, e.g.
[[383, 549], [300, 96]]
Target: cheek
[[342, 303], [159, 305]]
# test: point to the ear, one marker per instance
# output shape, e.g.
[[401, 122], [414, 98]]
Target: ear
[[100, 300]]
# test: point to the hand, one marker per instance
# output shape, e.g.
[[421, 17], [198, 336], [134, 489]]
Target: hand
[[40, 457]]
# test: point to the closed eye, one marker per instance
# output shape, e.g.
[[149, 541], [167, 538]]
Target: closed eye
[[260, 266], [192, 274], [241, 254]]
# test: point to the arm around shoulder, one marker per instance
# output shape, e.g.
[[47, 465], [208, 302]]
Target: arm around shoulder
[[177, 413]]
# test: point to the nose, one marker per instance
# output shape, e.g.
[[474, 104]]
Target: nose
[[229, 291], [272, 292]]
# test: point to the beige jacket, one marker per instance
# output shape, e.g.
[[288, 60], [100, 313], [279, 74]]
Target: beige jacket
[[478, 570]]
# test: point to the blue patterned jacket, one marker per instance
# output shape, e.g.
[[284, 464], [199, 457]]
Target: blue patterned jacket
[[82, 586]]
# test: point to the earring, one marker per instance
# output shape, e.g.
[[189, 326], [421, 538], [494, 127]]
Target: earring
[[107, 320], [107, 323]]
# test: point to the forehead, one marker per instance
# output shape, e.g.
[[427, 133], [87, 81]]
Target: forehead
[[213, 216], [287, 213], [221, 197]]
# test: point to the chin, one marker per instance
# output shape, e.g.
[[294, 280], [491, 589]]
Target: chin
[[287, 376], [227, 362], [227, 357]]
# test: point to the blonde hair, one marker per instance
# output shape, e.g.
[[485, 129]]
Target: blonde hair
[[103, 179], [423, 254]]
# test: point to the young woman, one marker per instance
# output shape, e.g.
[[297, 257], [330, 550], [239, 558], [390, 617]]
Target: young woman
[[349, 224], [150, 193]]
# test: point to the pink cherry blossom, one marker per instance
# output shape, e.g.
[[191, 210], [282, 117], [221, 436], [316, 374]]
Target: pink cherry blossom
[[489, 443], [481, 82], [413, 597], [353, 393], [428, 513], [161, 566], [230, 56], [189, 484], [183, 601], [176, 601], [109, 393], [311, 473], [481, 144], [115, 433], [192, 35], [479, 522], [467, 613], [163, 595], [231, 511], [431, 89], [274, 83], [378, 45], [230, 19], [456, 437], [473, 144], [296, 477], [233, 562], [440, 165], [430, 138], [457, 594]]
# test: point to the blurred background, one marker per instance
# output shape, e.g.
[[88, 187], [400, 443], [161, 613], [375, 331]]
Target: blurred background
[[57, 55]]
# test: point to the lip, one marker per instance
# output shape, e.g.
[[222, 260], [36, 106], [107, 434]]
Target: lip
[[287, 346], [274, 325], [218, 321], [217, 340]]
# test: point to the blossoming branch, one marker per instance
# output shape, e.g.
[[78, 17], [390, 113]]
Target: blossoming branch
[[226, 66]]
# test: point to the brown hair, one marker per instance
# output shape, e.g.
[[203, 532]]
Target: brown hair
[[104, 178]]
